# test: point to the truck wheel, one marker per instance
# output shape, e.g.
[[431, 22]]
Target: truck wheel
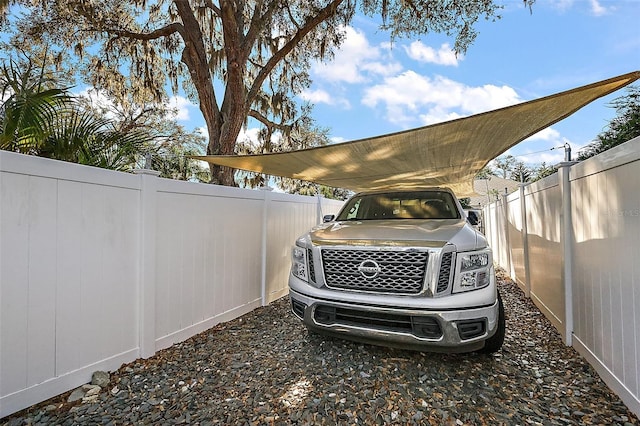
[[494, 343]]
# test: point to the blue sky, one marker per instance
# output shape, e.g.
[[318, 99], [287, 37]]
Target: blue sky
[[373, 87]]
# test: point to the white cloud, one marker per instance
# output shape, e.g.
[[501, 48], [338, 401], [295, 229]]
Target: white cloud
[[487, 97], [548, 134], [251, 137], [411, 98], [355, 58], [337, 139], [320, 96], [382, 68], [180, 105], [437, 115], [595, 6], [203, 131], [562, 4], [597, 9], [422, 53]]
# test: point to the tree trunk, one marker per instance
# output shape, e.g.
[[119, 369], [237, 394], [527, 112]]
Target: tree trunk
[[194, 56]]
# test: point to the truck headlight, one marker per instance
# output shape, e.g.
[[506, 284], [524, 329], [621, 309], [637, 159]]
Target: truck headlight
[[299, 263], [469, 261], [473, 271]]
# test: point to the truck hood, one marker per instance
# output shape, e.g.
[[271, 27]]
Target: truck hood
[[399, 233]]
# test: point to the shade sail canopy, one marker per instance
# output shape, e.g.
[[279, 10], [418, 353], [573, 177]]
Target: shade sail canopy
[[447, 154]]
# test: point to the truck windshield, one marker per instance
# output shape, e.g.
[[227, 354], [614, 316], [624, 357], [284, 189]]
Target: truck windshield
[[401, 205]]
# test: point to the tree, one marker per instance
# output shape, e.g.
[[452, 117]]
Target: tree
[[303, 134], [170, 144], [542, 171], [41, 119], [77, 136], [485, 173], [30, 104], [503, 166], [622, 128], [520, 172], [237, 58]]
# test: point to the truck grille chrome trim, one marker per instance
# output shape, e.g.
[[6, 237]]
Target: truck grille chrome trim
[[376, 271], [445, 272], [312, 268]]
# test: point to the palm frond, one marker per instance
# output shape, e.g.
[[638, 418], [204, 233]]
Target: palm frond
[[29, 107]]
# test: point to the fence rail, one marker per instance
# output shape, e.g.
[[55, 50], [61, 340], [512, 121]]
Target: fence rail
[[572, 243], [99, 268]]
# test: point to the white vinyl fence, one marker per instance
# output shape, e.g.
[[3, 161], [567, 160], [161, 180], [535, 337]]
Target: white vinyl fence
[[99, 268], [572, 243]]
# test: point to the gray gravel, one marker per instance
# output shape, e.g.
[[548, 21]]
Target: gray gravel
[[265, 368]]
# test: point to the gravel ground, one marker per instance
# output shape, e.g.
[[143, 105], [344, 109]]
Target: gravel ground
[[265, 368]]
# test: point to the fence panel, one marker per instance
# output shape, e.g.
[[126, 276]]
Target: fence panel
[[604, 301], [98, 268], [68, 275], [208, 257], [544, 206], [606, 219]]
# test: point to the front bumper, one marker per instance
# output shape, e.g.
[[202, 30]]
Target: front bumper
[[417, 328]]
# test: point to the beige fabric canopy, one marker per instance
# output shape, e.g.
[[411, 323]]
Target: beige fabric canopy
[[447, 154]]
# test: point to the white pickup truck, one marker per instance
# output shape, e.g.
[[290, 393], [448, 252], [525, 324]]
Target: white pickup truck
[[399, 268]]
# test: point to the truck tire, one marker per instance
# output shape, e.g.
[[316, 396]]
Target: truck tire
[[494, 343]]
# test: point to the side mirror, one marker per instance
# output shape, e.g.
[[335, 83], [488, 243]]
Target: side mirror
[[328, 218], [472, 217]]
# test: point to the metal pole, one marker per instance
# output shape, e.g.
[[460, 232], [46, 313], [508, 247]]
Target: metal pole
[[567, 152]]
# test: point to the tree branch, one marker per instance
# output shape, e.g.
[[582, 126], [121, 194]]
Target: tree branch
[[312, 23], [257, 22], [268, 123], [293, 20], [153, 35], [210, 5]]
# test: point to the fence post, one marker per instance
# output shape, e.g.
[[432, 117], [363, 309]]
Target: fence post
[[263, 248], [507, 243], [566, 238], [147, 263], [525, 242], [496, 230]]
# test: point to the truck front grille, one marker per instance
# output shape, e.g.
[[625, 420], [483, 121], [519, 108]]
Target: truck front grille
[[377, 271]]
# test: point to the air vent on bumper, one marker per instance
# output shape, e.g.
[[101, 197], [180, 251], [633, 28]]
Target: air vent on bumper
[[420, 326], [470, 329], [298, 308]]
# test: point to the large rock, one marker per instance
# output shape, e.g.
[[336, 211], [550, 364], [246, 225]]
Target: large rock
[[83, 392], [76, 395], [100, 378]]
